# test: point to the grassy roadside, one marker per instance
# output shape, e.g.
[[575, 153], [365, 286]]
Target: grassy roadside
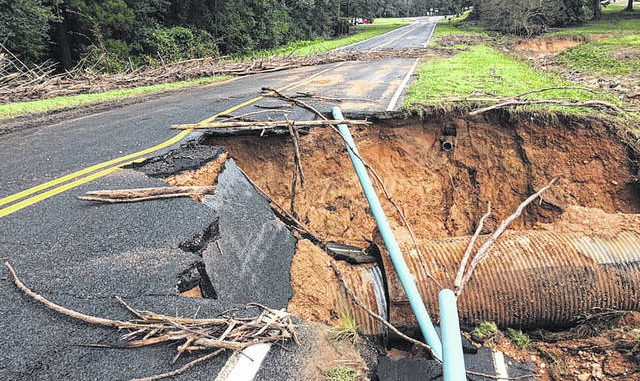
[[482, 70], [320, 45], [479, 70], [9, 110], [610, 47]]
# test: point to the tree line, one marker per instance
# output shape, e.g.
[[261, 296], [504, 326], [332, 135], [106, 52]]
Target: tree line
[[120, 33]]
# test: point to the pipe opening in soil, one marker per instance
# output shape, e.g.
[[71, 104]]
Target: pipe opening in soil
[[578, 248]]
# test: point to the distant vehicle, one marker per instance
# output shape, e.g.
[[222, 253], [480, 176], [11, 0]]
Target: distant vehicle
[[360, 20]]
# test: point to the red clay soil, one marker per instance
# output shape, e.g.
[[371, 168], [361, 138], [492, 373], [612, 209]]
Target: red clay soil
[[444, 194]]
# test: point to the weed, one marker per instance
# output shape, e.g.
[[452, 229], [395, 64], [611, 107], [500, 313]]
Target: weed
[[346, 329], [341, 374], [485, 330], [520, 339]]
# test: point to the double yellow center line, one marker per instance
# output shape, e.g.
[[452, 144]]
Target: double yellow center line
[[56, 186]]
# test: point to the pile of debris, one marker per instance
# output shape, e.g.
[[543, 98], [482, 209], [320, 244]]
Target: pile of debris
[[19, 82]]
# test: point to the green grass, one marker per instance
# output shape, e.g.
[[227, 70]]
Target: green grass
[[519, 339], [618, 23], [485, 329], [20, 108], [620, 6], [454, 26], [481, 69], [341, 374], [306, 47], [346, 329], [599, 56], [391, 20]]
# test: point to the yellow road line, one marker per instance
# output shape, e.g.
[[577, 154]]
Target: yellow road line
[[52, 192], [93, 168], [118, 162]]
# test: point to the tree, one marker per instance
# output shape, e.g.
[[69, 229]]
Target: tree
[[629, 6], [24, 27]]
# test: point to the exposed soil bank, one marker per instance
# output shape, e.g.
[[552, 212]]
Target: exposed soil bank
[[444, 193], [442, 173]]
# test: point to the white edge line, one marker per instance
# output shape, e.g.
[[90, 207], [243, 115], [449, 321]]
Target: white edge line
[[396, 96], [499, 366], [369, 39], [245, 365], [435, 25]]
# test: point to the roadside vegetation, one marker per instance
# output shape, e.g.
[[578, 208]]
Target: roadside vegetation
[[481, 71], [341, 374], [346, 329], [482, 67], [320, 45]]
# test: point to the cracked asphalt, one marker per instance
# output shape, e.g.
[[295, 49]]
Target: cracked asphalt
[[81, 255]]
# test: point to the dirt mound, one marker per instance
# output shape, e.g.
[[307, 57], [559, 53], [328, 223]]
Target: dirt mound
[[452, 40], [539, 47], [627, 54], [444, 193]]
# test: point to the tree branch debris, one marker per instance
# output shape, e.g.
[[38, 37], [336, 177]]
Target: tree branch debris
[[192, 335], [145, 194]]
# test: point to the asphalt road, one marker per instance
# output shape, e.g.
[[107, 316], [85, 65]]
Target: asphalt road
[[81, 255]]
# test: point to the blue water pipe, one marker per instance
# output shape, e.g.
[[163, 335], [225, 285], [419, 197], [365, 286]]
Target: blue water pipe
[[406, 278], [453, 357]]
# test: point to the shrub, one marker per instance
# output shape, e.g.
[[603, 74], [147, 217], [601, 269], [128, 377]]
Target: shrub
[[177, 43]]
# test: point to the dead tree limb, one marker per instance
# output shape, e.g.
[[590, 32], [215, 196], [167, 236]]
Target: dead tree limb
[[467, 252], [259, 125], [515, 102], [275, 93], [192, 335], [182, 369], [482, 252], [366, 309], [299, 226], [145, 194]]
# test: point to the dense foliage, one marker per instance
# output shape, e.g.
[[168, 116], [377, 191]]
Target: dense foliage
[[530, 17], [115, 34]]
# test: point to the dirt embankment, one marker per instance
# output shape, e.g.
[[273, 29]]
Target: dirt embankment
[[444, 193]]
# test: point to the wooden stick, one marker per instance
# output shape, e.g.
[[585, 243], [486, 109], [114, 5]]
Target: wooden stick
[[357, 301], [481, 254], [467, 253], [145, 194], [180, 370], [275, 93], [63, 310], [269, 124]]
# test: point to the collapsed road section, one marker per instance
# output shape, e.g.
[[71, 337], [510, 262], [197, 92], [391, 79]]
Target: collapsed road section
[[574, 251]]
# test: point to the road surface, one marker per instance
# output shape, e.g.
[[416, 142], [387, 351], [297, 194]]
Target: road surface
[[81, 255]]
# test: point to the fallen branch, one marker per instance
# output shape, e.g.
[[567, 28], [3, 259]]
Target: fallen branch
[[299, 226], [514, 102], [145, 194], [467, 252], [193, 335], [382, 320], [260, 125], [271, 92], [482, 252]]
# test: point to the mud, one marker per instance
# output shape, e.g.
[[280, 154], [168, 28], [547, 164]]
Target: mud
[[443, 194], [205, 175], [540, 47]]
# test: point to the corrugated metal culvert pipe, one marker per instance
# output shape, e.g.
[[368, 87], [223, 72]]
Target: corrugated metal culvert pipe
[[531, 279]]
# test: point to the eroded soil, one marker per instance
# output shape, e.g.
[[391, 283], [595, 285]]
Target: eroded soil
[[443, 194]]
